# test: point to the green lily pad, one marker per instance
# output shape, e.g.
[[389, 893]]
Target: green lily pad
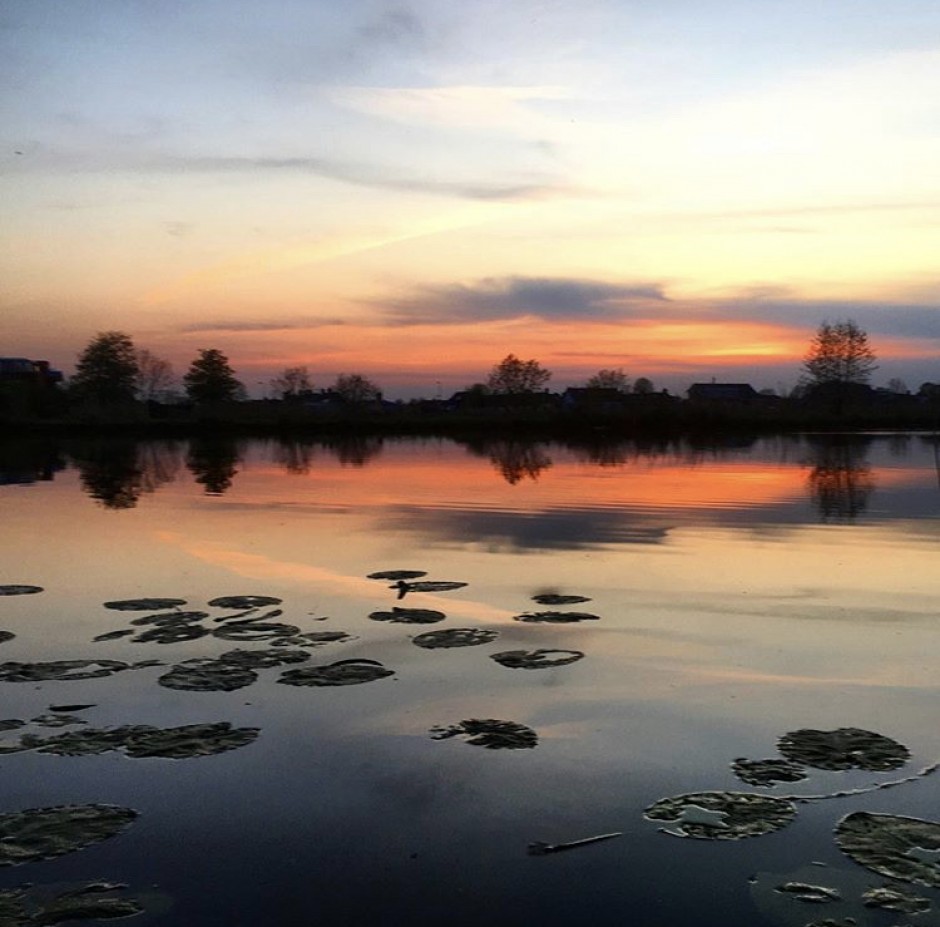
[[455, 637], [552, 598], [897, 847], [536, 659], [13, 589], [844, 748], [143, 605], [491, 733], [143, 740], [555, 617], [341, 673], [244, 601], [36, 906], [45, 833], [409, 616], [397, 574], [722, 815], [767, 773], [888, 898], [60, 670]]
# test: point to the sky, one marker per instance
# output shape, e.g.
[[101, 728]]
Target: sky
[[682, 189]]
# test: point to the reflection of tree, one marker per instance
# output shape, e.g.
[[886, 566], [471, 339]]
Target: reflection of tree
[[116, 472], [212, 462], [29, 461], [840, 481], [355, 450], [110, 472], [514, 459], [294, 454]]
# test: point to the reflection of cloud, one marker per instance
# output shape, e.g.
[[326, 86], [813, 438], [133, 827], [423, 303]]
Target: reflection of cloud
[[546, 529]]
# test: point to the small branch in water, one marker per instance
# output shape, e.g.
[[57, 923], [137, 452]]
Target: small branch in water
[[864, 790], [539, 848]]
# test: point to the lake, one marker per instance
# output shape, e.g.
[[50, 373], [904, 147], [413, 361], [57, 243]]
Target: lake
[[775, 599]]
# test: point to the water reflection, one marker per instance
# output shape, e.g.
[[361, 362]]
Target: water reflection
[[23, 462], [117, 472], [213, 463], [514, 459], [841, 481]]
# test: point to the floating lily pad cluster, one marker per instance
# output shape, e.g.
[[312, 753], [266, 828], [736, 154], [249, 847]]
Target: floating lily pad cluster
[[722, 815], [491, 733], [90, 901], [234, 669], [13, 671]]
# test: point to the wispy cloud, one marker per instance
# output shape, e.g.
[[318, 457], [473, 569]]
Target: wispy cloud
[[511, 297], [265, 325]]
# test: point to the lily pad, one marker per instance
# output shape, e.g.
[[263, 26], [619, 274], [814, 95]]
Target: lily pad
[[397, 574], [6, 636], [171, 634], [536, 659], [409, 616], [555, 617], [96, 901], [60, 670], [11, 724], [255, 631], [455, 637], [207, 675], [244, 601], [898, 847], [143, 605], [433, 586], [263, 659], [114, 635], [552, 598], [341, 673], [164, 618], [45, 833], [843, 748], [13, 589], [722, 815], [767, 773], [491, 733], [319, 638]]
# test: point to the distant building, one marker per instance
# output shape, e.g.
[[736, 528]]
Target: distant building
[[21, 370], [726, 393]]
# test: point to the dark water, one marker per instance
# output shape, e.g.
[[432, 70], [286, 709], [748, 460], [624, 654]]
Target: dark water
[[742, 591]]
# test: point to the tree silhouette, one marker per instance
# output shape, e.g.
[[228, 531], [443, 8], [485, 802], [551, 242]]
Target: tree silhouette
[[154, 375], [610, 379], [293, 383], [107, 370], [643, 386], [839, 354], [355, 388], [512, 376], [210, 378]]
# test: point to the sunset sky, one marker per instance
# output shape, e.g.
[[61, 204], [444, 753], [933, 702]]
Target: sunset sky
[[412, 190]]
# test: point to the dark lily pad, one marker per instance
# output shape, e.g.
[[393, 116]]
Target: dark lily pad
[[844, 748], [555, 617], [897, 847], [143, 605], [433, 586], [255, 631], [171, 634], [94, 901], [45, 833], [11, 724], [767, 773], [455, 637], [57, 719], [314, 639], [893, 899], [60, 670], [491, 733], [397, 574], [164, 618], [263, 659], [207, 675], [341, 673], [6, 636], [409, 616], [114, 635], [722, 815], [806, 891], [249, 615], [552, 598], [536, 659], [244, 601], [13, 589], [71, 708]]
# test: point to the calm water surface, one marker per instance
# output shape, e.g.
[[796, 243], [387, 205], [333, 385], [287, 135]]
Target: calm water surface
[[743, 591]]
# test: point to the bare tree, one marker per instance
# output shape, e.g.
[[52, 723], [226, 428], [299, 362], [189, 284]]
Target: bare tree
[[292, 383], [155, 378], [839, 354], [513, 376], [355, 388], [610, 379]]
